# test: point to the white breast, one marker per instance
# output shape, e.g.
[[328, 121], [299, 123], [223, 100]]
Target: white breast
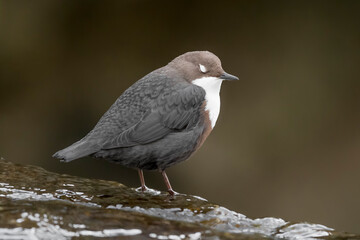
[[212, 86]]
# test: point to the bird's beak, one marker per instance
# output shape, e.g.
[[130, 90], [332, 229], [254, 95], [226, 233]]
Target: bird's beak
[[227, 76]]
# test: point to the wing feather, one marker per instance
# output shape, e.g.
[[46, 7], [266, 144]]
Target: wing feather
[[178, 111]]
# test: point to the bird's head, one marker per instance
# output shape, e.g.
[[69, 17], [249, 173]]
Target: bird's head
[[200, 64]]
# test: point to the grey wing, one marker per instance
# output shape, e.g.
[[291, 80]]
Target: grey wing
[[145, 112], [178, 111], [130, 107]]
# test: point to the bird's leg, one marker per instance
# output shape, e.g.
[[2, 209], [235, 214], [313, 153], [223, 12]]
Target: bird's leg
[[142, 180], [167, 182]]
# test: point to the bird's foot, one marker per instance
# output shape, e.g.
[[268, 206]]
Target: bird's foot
[[142, 189], [172, 192], [145, 189]]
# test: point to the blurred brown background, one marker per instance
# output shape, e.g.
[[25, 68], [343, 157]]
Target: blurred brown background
[[287, 142]]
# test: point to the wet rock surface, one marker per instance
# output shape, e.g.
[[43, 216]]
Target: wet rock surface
[[37, 204]]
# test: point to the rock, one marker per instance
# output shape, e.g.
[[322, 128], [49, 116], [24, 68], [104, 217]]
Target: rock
[[37, 204]]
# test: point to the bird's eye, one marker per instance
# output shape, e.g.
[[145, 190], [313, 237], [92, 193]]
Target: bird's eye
[[202, 68]]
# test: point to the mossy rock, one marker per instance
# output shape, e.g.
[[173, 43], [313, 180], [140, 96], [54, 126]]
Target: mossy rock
[[37, 204]]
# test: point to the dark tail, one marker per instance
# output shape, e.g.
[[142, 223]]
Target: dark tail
[[79, 149]]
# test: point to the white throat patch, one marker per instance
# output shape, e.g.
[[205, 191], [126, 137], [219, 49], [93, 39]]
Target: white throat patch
[[212, 86]]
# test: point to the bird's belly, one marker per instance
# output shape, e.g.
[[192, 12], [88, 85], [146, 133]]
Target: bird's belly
[[161, 154]]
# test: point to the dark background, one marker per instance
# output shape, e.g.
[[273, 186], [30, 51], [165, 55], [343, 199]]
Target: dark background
[[287, 142]]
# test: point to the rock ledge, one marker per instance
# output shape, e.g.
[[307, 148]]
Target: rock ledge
[[37, 204]]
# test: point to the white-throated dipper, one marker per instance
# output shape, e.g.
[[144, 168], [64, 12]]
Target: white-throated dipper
[[160, 120]]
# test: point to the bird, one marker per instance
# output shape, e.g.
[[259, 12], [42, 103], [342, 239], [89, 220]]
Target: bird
[[159, 121]]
